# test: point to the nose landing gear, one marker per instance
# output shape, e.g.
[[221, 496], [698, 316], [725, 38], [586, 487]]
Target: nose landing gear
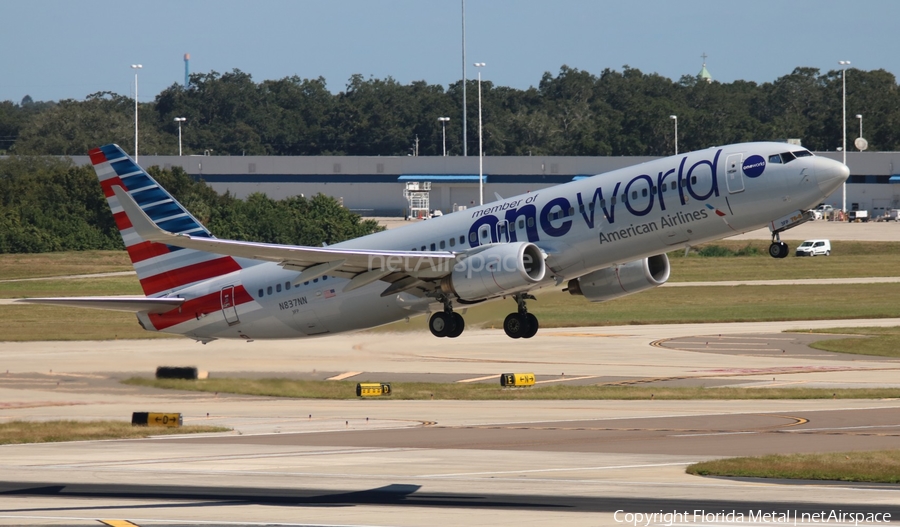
[[778, 249]]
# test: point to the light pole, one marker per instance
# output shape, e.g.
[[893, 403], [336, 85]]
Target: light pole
[[480, 65], [179, 120], [844, 64], [444, 121], [464, 79], [675, 118], [859, 116], [136, 67]]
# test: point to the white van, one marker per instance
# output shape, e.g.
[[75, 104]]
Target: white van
[[814, 248]]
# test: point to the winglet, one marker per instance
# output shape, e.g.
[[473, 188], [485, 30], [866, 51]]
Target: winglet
[[142, 223]]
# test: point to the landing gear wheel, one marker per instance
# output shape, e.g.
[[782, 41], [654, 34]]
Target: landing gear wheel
[[778, 250], [532, 324], [514, 325], [458, 325], [785, 250], [440, 324]]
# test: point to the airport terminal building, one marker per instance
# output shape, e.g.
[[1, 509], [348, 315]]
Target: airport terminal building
[[390, 186]]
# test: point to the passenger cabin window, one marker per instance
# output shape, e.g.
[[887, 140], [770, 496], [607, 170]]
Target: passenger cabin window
[[473, 238], [432, 247], [443, 245], [287, 285], [260, 293], [462, 239], [278, 288], [269, 290], [452, 242]]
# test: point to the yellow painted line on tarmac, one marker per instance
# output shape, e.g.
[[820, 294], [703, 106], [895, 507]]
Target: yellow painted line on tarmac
[[776, 384], [714, 348], [476, 379], [118, 523], [566, 379], [573, 334], [343, 376]]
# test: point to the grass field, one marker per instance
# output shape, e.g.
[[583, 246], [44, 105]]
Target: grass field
[[881, 466], [692, 305], [17, 432], [17, 266], [883, 342], [483, 391], [553, 307]]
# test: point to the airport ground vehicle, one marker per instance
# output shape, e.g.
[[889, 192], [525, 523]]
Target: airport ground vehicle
[[858, 215], [814, 248], [823, 212]]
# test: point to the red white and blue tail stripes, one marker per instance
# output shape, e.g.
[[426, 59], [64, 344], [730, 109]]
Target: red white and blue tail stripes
[[161, 268]]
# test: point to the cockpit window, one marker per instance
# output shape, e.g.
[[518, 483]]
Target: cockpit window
[[775, 158], [787, 157], [802, 153]]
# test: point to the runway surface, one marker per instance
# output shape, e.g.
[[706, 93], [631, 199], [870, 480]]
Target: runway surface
[[393, 462], [435, 462]]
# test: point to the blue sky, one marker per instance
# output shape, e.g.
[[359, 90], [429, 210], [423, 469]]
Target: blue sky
[[55, 49]]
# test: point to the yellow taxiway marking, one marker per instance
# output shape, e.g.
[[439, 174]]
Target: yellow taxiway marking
[[343, 376], [476, 379], [566, 379], [573, 334], [118, 523]]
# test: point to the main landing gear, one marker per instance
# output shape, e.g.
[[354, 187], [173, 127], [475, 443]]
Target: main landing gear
[[778, 249], [446, 323], [521, 325]]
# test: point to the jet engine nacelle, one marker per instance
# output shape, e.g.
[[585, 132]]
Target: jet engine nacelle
[[508, 267], [621, 280]]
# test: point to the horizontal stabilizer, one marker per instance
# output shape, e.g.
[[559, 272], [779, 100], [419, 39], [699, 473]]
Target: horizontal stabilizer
[[130, 304]]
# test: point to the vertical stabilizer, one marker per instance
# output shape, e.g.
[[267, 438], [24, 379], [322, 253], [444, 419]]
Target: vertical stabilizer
[[161, 268]]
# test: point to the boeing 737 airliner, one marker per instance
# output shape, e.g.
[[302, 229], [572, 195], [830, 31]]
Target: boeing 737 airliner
[[604, 237]]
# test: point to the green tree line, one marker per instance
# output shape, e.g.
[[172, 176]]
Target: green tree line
[[614, 113], [47, 204]]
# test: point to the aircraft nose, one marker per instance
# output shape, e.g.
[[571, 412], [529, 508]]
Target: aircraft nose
[[830, 174]]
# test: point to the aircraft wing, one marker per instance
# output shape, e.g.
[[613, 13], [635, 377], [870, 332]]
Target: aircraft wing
[[406, 268], [130, 304]]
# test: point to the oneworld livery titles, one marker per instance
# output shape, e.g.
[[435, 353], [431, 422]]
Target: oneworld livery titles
[[640, 196]]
